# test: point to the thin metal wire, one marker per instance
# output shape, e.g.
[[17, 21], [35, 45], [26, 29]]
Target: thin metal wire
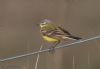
[[45, 50], [38, 57]]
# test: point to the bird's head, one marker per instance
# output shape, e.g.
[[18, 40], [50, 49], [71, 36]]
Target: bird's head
[[45, 22]]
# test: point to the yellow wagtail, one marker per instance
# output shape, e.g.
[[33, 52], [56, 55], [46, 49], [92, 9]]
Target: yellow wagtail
[[53, 33]]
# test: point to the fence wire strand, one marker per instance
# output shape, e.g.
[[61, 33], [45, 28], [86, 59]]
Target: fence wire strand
[[45, 50]]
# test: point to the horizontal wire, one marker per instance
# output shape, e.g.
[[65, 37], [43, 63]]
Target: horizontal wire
[[45, 50]]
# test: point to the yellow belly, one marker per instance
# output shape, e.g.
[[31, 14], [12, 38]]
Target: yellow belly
[[49, 39]]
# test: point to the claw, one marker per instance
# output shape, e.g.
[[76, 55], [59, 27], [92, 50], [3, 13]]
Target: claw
[[52, 50]]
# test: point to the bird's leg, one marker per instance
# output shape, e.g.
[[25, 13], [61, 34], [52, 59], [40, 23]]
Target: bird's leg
[[52, 48]]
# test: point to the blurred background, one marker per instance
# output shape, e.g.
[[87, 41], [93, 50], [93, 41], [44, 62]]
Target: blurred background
[[19, 33]]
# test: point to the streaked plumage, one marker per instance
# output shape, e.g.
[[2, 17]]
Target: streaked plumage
[[53, 33]]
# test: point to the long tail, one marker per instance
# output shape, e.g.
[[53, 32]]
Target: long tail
[[72, 37]]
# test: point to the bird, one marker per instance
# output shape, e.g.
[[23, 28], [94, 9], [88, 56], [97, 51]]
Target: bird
[[54, 34]]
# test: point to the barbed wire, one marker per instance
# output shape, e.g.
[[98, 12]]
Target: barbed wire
[[45, 50]]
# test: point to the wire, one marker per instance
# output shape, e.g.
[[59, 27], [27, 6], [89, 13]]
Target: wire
[[45, 50], [38, 57]]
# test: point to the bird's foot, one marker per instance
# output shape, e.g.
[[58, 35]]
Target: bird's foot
[[52, 50]]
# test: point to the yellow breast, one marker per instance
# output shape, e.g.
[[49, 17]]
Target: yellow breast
[[49, 39]]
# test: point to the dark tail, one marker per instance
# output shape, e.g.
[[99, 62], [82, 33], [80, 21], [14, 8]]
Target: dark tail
[[74, 37]]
